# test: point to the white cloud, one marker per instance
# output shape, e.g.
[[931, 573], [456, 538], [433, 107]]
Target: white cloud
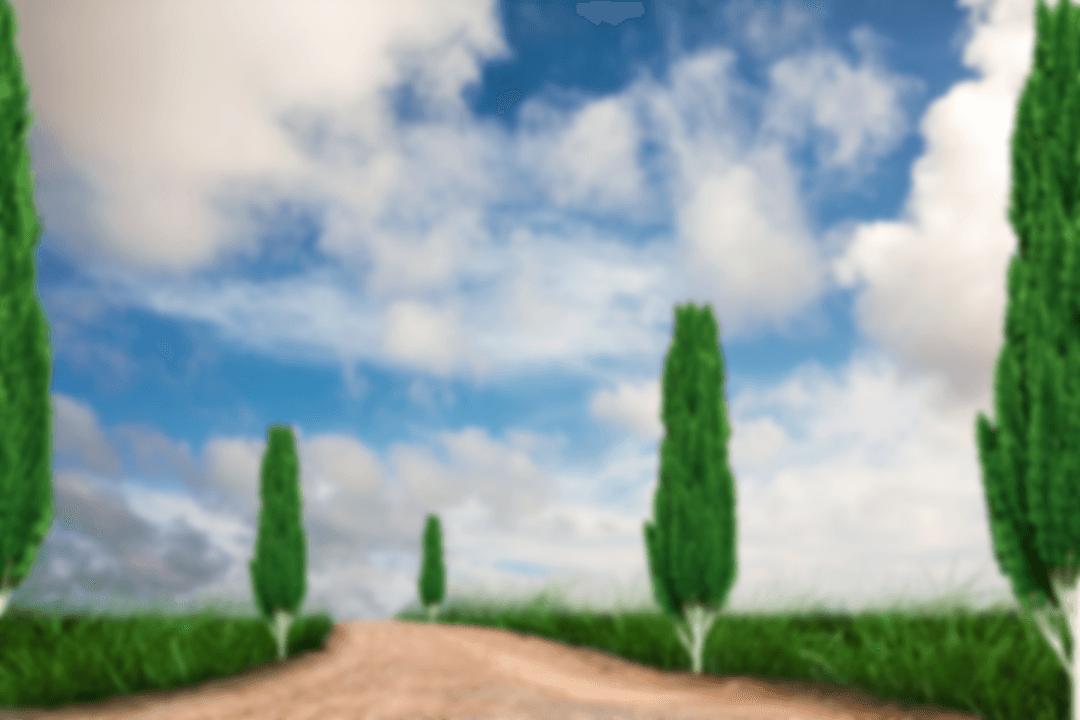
[[447, 172], [856, 107], [173, 126], [634, 407], [934, 292], [738, 215], [423, 336], [593, 162]]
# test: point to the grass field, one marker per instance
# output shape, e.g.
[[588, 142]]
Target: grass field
[[992, 663]]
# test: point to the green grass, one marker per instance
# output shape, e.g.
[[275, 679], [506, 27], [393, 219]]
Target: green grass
[[993, 663], [54, 658]]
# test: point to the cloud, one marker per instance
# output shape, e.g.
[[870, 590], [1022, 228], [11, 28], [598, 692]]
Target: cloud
[[858, 108], [909, 274], [75, 432], [635, 407]]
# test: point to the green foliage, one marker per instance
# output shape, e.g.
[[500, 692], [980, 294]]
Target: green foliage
[[432, 583], [1030, 461], [278, 569], [26, 506], [1003, 457], [691, 542]]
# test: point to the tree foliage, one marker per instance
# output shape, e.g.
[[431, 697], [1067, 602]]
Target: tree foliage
[[26, 503], [691, 541], [1030, 461], [278, 570], [432, 582]]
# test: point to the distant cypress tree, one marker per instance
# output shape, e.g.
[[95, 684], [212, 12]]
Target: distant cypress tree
[[26, 503], [433, 572], [279, 566], [691, 544]]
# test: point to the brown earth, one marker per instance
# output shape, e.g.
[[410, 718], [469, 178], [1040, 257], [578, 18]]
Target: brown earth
[[390, 670]]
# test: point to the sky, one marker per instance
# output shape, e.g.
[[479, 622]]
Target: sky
[[444, 243]]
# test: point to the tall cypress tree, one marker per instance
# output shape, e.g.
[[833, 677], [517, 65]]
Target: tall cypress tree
[[26, 507], [1031, 461], [432, 582], [691, 543], [279, 566]]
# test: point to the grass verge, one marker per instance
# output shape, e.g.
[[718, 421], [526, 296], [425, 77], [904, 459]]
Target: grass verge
[[50, 659]]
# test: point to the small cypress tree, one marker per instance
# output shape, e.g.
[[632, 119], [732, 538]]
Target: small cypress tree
[[432, 583], [279, 566], [691, 543]]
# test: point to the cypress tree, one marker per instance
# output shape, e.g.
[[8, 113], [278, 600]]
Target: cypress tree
[[691, 543], [26, 504], [1030, 461], [279, 566], [433, 572]]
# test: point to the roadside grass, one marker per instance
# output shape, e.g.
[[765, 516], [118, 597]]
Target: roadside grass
[[54, 658], [990, 663], [993, 662]]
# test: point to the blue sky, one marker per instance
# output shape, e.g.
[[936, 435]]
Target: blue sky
[[444, 241]]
